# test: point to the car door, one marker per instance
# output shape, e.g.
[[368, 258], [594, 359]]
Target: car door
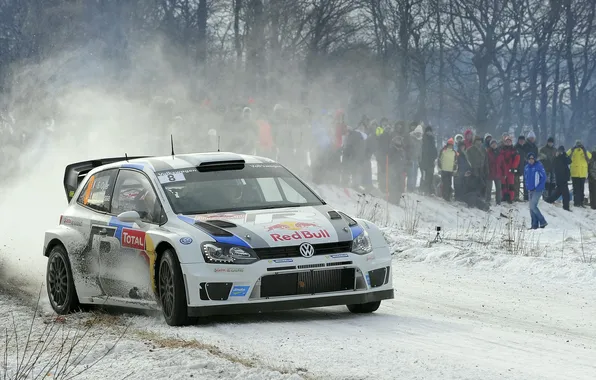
[[92, 220], [125, 266]]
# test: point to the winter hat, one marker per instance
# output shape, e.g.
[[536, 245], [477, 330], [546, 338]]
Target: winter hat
[[550, 139], [417, 132], [561, 149], [487, 135], [531, 135], [468, 133], [521, 137], [531, 155], [428, 129], [508, 138], [459, 137], [493, 142], [450, 141]]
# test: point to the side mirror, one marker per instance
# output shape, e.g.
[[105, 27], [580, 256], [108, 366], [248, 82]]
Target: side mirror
[[129, 217]]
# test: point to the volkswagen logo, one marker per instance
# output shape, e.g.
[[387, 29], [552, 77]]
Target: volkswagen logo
[[307, 250]]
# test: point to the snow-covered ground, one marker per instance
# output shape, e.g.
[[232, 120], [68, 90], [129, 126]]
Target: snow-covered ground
[[490, 300]]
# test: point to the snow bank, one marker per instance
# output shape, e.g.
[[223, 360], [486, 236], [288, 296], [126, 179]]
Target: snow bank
[[494, 240]]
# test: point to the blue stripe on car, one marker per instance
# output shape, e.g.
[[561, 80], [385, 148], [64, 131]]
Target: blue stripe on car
[[356, 231], [234, 240], [114, 222], [133, 166]]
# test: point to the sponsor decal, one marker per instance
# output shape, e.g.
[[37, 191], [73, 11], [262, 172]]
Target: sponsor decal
[[228, 270], [370, 257], [133, 238], [185, 240], [280, 261], [228, 215], [367, 279], [239, 291], [70, 222], [337, 256], [273, 165], [299, 235], [292, 226]]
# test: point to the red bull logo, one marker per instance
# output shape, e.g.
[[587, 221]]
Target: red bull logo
[[292, 226], [300, 231], [299, 235]]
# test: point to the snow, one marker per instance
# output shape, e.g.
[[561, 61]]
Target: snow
[[469, 306]]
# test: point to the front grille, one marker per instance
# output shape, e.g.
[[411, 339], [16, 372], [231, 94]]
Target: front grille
[[294, 251], [310, 282]]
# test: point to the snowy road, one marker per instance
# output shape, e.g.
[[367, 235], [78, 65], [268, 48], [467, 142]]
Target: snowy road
[[444, 324]]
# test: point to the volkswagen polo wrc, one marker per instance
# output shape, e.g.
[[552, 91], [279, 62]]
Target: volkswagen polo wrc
[[208, 234]]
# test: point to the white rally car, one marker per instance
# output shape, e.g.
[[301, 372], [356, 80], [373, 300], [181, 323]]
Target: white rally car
[[208, 234]]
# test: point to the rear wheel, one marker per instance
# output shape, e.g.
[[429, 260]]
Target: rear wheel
[[59, 282], [363, 308], [172, 292]]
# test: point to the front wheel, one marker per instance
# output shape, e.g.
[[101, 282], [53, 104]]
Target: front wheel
[[362, 308], [172, 293], [59, 282]]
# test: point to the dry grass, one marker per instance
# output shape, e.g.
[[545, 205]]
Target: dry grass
[[50, 350], [509, 234]]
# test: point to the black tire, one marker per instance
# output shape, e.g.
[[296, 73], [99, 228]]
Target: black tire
[[172, 292], [60, 283], [363, 308]]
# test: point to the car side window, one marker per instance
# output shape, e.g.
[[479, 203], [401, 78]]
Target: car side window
[[133, 192], [95, 193]]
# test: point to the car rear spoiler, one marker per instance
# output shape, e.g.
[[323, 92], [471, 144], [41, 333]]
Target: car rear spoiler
[[75, 173]]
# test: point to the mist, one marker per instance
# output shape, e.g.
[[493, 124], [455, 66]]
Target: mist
[[88, 79]]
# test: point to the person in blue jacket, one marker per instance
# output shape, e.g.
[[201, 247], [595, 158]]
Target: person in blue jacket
[[535, 181]]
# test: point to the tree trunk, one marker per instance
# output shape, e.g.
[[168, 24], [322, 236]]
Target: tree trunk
[[202, 31], [555, 104], [237, 41], [544, 77]]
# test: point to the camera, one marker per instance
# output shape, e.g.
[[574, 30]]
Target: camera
[[438, 228]]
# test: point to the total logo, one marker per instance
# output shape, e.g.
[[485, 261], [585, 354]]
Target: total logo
[[133, 238]]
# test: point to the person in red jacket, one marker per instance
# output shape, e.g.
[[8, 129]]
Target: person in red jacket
[[341, 128], [508, 161], [495, 171], [468, 138]]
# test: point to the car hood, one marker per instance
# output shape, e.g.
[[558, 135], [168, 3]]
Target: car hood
[[277, 227]]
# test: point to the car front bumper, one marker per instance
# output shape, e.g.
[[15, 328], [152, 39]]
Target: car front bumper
[[290, 304], [288, 283]]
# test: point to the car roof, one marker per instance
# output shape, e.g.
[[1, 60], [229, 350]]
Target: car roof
[[183, 161]]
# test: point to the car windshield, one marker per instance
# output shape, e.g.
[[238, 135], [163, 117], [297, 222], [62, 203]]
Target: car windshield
[[254, 186]]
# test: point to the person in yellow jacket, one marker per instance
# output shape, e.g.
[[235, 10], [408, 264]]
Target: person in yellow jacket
[[447, 163], [580, 158]]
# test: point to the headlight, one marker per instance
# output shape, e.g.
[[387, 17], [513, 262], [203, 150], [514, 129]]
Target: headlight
[[362, 245], [219, 253]]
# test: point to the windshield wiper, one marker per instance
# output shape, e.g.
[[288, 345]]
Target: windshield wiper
[[280, 206]]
